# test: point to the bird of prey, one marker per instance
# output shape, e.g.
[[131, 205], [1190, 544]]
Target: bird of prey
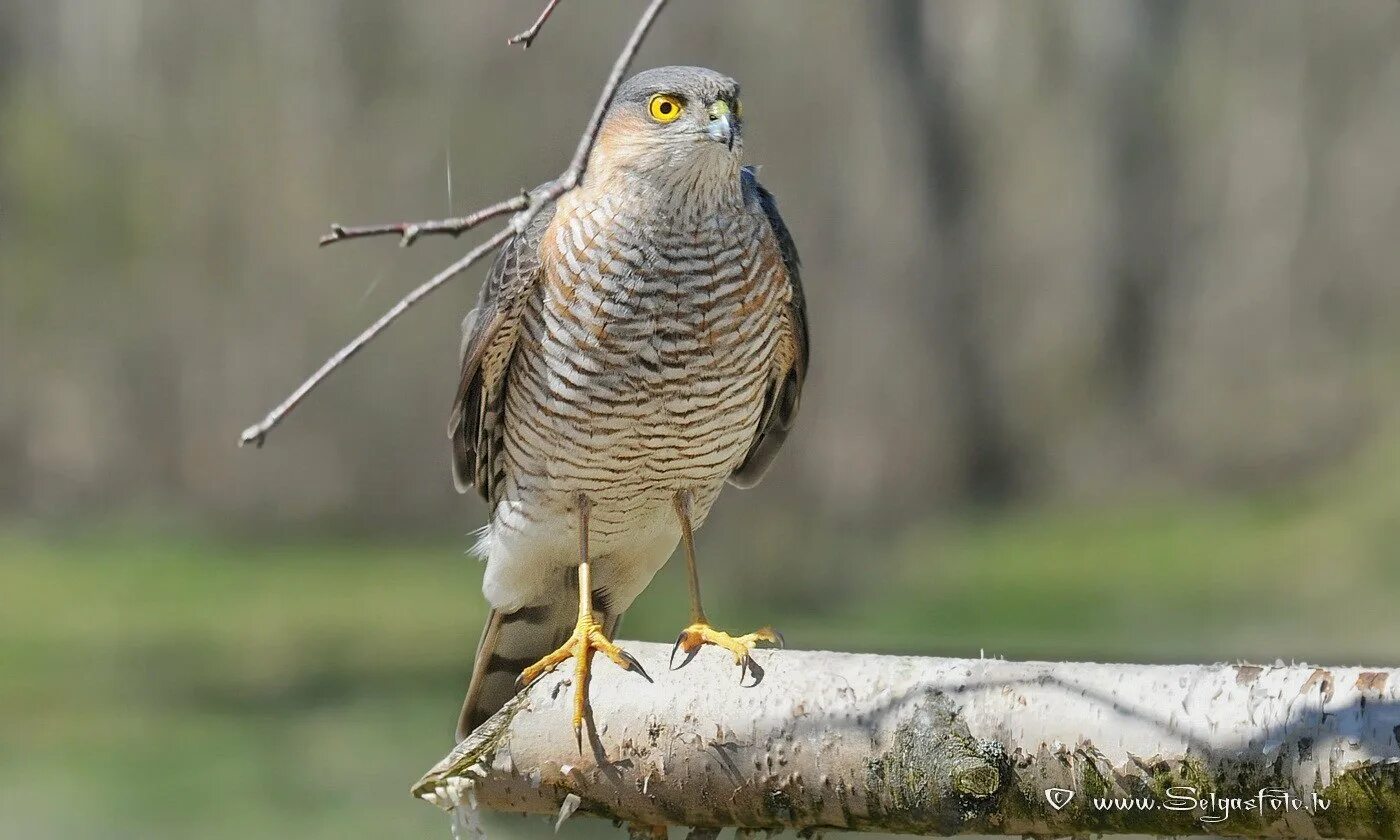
[[640, 344]]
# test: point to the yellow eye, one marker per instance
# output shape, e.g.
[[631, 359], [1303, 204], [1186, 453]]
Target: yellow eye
[[665, 108]]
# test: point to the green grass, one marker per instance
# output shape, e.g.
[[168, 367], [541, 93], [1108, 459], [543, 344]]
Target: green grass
[[162, 687]]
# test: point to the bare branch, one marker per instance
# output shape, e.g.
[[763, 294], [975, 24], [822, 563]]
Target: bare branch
[[526, 206], [408, 232], [528, 36]]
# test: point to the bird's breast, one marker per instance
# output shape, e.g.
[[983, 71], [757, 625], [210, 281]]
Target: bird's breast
[[648, 305], [644, 355]]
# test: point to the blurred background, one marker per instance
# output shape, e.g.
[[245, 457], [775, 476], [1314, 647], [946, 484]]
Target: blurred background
[[1106, 318]]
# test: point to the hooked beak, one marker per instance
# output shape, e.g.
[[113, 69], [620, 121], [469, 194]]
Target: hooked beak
[[724, 126]]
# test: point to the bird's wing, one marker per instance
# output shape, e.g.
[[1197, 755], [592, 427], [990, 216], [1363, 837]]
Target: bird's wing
[[489, 335], [784, 391]]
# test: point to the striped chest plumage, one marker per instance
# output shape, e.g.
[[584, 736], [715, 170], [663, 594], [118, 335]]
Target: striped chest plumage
[[643, 355]]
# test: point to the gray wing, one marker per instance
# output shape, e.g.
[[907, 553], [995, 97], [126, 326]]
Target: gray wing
[[489, 335], [784, 392]]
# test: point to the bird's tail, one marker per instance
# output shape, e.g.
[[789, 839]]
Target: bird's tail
[[513, 642]]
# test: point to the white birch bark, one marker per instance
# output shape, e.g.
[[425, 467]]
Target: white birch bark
[[949, 746]]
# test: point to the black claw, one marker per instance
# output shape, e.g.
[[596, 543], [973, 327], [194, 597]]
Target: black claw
[[781, 642], [634, 665], [578, 737], [749, 667], [688, 656]]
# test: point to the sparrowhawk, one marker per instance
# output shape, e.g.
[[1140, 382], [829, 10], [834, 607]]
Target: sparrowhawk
[[640, 344]]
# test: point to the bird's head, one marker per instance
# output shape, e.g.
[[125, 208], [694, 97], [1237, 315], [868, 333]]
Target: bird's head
[[673, 124]]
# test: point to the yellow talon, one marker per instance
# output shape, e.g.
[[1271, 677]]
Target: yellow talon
[[587, 638], [701, 633]]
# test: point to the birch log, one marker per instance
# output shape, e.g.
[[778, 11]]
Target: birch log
[[948, 746]]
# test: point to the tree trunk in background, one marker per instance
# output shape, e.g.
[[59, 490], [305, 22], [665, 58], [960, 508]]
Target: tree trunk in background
[[1137, 115], [948, 295]]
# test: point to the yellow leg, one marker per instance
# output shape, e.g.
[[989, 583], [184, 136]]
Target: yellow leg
[[700, 633], [587, 638]]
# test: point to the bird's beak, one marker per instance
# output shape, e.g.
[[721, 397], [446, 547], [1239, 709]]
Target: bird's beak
[[724, 126]]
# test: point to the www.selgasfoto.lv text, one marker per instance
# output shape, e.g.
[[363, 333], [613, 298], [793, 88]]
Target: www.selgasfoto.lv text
[[1213, 807]]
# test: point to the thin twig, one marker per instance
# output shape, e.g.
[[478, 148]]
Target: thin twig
[[256, 434], [590, 135], [526, 206], [408, 232], [528, 36]]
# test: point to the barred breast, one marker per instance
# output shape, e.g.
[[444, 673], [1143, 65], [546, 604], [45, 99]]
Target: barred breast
[[641, 365]]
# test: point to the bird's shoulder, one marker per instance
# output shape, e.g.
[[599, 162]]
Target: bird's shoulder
[[761, 202]]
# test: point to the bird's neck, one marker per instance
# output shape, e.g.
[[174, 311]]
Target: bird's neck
[[695, 189]]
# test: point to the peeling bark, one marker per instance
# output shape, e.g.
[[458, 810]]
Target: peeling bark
[[949, 746]]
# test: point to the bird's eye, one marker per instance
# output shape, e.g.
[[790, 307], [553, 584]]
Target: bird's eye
[[665, 108]]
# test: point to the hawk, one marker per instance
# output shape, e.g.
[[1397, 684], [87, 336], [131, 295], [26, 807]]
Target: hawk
[[640, 344]]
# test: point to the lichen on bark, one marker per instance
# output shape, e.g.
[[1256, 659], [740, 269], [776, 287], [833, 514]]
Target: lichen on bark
[[934, 773]]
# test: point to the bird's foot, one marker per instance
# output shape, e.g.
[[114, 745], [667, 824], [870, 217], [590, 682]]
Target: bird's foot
[[700, 634], [587, 638]]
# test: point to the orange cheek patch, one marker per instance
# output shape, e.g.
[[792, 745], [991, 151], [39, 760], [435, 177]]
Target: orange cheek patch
[[622, 138]]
